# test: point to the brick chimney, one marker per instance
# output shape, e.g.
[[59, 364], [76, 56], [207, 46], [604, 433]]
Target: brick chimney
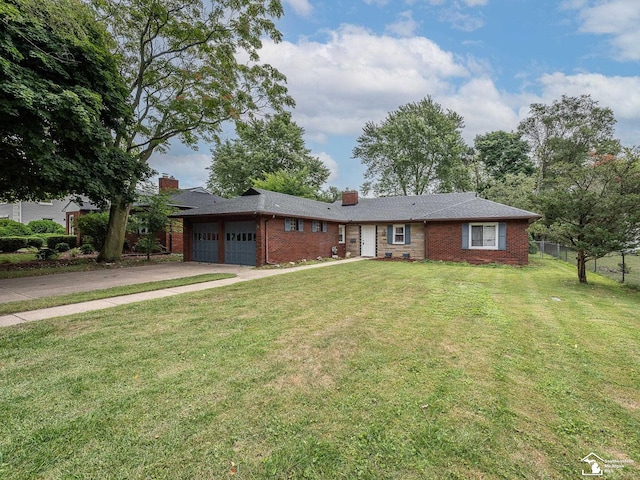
[[349, 197], [167, 183]]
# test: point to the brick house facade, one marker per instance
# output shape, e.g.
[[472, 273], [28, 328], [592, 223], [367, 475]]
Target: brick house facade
[[262, 227]]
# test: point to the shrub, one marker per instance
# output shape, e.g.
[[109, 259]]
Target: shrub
[[86, 248], [28, 250], [13, 244], [53, 240], [11, 228], [35, 242], [46, 254], [87, 240], [62, 247], [46, 226], [94, 225]]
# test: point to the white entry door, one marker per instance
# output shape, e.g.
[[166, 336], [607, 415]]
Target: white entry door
[[368, 240]]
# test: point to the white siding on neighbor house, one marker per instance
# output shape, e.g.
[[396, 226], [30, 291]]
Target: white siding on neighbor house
[[25, 212]]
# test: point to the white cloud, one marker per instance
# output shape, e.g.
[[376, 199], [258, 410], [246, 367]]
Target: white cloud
[[405, 26], [190, 168], [616, 18], [301, 7], [621, 94], [356, 76], [483, 108], [330, 163]]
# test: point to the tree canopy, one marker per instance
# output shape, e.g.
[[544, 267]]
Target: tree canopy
[[417, 149], [566, 131], [190, 66], [587, 186], [271, 148], [62, 101], [503, 153]]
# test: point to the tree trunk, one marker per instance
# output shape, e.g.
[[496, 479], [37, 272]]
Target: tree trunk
[[582, 266], [118, 215]]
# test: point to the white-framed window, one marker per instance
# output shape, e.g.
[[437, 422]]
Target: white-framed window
[[483, 236], [398, 235], [341, 230], [72, 226]]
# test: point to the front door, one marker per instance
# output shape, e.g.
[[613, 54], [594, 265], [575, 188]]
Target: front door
[[368, 240]]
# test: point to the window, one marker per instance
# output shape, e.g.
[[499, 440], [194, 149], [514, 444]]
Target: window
[[340, 233], [318, 226], [398, 235], [293, 225], [483, 235], [72, 224]]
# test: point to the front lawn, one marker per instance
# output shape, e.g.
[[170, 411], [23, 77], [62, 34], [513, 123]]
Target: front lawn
[[362, 370]]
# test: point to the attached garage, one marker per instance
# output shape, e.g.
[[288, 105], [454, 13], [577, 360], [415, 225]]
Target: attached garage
[[205, 238], [240, 243]]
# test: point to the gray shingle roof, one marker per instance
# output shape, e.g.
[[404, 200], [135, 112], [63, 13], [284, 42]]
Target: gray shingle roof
[[445, 206], [194, 198]]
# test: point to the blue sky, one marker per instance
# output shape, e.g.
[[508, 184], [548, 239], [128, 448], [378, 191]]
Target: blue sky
[[348, 62]]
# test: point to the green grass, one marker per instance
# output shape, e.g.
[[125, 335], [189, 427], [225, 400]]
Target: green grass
[[363, 370], [47, 302], [16, 257]]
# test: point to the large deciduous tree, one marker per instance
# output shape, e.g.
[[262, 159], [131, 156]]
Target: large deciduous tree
[[588, 187], [593, 206], [272, 148], [565, 131], [503, 153], [417, 149], [62, 102], [190, 66]]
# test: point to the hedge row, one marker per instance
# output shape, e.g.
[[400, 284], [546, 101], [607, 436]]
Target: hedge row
[[13, 244]]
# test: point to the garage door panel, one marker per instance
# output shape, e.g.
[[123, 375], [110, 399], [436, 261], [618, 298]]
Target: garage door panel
[[205, 242], [240, 243]]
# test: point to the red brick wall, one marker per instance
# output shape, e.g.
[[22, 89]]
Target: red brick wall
[[166, 183], [291, 246], [444, 242]]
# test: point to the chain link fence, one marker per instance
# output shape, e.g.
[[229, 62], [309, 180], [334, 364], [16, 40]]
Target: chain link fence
[[610, 265]]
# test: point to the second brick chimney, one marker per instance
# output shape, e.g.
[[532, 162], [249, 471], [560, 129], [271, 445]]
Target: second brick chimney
[[166, 182], [350, 197]]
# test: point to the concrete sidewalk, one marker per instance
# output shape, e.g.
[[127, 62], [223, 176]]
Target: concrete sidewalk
[[60, 284]]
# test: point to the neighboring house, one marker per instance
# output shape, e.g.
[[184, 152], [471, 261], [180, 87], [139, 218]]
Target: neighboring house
[[181, 199], [262, 227], [25, 212]]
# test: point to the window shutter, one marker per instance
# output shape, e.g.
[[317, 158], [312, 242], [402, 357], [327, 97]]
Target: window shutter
[[389, 234], [314, 226], [465, 236], [324, 227], [407, 234], [300, 225], [502, 236], [287, 224]]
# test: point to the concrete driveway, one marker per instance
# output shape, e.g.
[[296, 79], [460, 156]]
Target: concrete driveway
[[60, 284]]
